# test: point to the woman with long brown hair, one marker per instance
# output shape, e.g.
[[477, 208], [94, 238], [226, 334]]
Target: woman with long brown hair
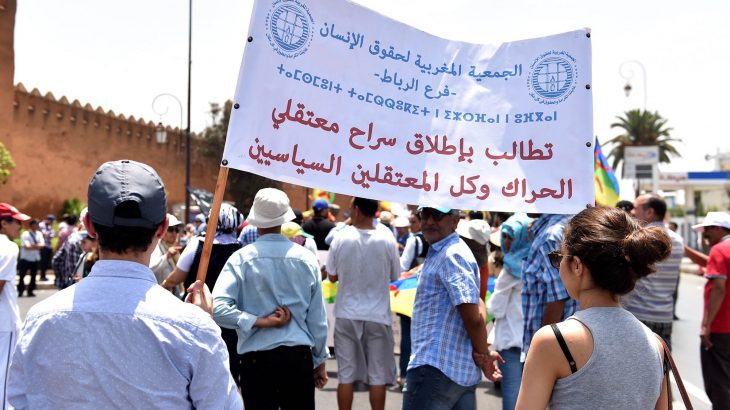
[[601, 357]]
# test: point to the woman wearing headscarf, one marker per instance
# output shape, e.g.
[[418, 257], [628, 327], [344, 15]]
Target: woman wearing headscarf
[[601, 357], [225, 243], [506, 305]]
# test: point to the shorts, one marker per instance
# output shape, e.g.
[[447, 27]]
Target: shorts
[[364, 352]]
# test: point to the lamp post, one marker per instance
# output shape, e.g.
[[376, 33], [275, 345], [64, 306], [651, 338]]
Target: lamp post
[[187, 129], [628, 74], [160, 132]]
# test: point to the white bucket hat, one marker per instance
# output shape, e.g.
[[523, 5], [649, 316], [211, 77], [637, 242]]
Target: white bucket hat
[[270, 208], [721, 219], [475, 229]]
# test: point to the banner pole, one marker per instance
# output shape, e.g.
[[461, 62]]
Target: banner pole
[[220, 188]]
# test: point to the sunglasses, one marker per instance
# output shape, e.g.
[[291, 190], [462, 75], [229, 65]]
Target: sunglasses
[[426, 213], [556, 257], [175, 230]]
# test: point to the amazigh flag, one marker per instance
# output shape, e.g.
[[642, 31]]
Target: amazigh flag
[[607, 190]]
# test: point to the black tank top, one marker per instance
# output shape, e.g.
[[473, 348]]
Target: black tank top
[[218, 257]]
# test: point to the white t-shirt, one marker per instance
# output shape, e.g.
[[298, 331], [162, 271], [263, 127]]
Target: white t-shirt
[[9, 314], [28, 238], [365, 261]]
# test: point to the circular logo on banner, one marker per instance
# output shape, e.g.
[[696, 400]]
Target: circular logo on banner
[[553, 76], [289, 25]]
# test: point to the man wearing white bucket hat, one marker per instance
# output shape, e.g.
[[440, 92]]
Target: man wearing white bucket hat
[[715, 331], [270, 293]]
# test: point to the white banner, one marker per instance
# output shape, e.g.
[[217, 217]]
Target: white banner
[[335, 96]]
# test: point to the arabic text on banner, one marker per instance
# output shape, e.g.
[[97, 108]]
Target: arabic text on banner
[[333, 95]]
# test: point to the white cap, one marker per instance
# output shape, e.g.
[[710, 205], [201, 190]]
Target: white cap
[[401, 222], [173, 221], [721, 219]]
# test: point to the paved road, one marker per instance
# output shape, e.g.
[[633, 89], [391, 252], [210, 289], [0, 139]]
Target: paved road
[[685, 340]]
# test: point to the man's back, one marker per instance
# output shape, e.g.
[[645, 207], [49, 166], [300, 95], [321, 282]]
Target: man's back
[[270, 273], [365, 261], [319, 228], [117, 339]]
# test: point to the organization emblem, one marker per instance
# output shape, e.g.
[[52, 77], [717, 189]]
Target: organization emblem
[[553, 77], [289, 28]]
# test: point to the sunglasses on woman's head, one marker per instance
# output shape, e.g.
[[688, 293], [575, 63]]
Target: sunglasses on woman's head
[[555, 258]]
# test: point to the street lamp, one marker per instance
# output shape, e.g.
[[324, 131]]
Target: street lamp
[[628, 74], [160, 132]]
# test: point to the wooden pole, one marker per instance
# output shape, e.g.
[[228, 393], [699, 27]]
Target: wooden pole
[[220, 188]]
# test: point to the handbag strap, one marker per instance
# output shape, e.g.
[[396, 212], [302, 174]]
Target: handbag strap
[[677, 378], [564, 347]]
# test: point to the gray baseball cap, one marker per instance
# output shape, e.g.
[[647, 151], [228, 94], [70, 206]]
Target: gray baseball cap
[[125, 180]]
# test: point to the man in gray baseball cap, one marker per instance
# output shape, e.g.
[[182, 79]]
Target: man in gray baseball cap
[[141, 346]]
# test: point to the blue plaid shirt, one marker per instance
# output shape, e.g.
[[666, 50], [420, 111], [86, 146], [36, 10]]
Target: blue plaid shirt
[[450, 277], [541, 283], [249, 234]]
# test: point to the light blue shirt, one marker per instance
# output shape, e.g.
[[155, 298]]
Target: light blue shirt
[[267, 274], [117, 339], [449, 278]]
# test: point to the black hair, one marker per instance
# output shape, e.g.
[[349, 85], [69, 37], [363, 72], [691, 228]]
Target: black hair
[[368, 207], [33, 222], [625, 205], [125, 239], [476, 215], [298, 217], [658, 204], [71, 219]]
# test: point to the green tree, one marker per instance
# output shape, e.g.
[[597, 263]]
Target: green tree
[[242, 186], [72, 206], [642, 128], [6, 163]]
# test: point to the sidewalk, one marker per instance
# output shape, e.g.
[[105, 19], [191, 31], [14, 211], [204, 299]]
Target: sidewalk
[[688, 266], [45, 285]]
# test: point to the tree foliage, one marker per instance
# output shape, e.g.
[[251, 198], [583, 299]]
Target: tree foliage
[[242, 186], [6, 163], [72, 206], [642, 128]]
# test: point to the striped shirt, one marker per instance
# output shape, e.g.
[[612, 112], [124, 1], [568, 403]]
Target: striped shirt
[[541, 283], [450, 277], [652, 299]]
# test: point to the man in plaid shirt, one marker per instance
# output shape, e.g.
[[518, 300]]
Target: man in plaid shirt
[[448, 331], [544, 298]]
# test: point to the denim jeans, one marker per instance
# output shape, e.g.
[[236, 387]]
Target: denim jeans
[[430, 389], [511, 377]]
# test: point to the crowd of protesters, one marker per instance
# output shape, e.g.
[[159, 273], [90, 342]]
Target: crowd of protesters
[[576, 303]]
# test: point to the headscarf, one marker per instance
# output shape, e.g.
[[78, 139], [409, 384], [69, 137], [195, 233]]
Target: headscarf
[[516, 227], [229, 219]]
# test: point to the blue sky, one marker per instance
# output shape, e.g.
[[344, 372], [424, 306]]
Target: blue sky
[[120, 55]]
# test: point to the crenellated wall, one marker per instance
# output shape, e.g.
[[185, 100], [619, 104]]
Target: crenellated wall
[[57, 145]]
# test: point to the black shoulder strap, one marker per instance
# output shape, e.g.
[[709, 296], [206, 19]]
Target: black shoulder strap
[[564, 347]]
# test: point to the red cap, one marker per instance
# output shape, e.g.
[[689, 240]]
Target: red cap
[[7, 210]]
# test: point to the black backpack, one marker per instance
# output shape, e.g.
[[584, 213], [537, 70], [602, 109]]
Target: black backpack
[[420, 254]]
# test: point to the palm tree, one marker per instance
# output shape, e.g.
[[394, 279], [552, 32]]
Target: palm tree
[[642, 128]]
